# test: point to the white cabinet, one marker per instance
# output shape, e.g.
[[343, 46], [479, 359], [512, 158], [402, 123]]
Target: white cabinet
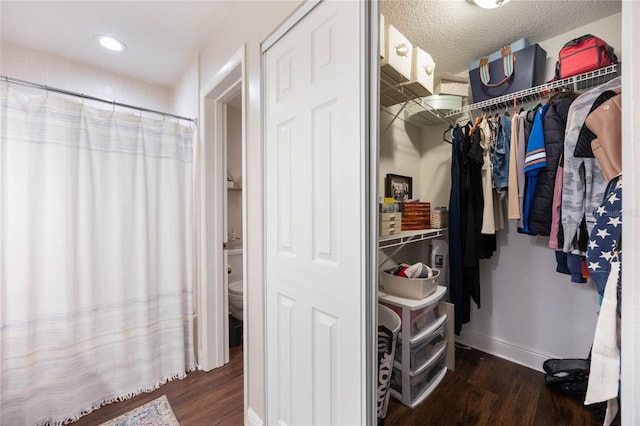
[[421, 351]]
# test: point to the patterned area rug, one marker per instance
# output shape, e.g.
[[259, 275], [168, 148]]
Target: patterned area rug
[[155, 413]]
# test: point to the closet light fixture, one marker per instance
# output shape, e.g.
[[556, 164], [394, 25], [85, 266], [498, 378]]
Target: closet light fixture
[[490, 4], [110, 43]]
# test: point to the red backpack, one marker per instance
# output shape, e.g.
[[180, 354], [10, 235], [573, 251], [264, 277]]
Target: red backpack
[[584, 54]]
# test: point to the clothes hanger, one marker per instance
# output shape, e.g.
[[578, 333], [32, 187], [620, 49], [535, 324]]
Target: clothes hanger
[[475, 125], [445, 134]]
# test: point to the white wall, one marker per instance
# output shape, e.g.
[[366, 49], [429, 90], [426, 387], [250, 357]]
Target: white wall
[[608, 29], [400, 146], [40, 67], [234, 165], [529, 312], [408, 149], [250, 23], [435, 173], [184, 95]]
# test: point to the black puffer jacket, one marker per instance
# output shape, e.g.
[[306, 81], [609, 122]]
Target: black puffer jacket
[[554, 123]]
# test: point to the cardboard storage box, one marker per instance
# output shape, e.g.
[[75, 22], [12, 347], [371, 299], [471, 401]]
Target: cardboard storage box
[[450, 84]]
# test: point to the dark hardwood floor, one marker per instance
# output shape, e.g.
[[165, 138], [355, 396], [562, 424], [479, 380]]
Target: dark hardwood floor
[[484, 390], [487, 390], [212, 398]]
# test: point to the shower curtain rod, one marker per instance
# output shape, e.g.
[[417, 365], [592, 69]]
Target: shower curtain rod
[[11, 80]]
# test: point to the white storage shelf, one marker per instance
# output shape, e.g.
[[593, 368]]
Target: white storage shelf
[[405, 237], [421, 365]]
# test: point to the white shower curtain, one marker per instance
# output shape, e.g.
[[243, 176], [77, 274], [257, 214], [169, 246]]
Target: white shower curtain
[[96, 256]]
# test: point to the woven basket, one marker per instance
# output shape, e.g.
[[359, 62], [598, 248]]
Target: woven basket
[[439, 218]]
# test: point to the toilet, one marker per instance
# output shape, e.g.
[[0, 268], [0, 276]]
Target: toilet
[[235, 299], [235, 283]]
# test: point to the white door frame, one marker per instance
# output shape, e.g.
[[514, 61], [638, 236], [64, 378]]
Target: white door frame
[[213, 308], [370, 14], [630, 348]]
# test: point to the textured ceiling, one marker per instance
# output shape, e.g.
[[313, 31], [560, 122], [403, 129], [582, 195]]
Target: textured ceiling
[[457, 32]]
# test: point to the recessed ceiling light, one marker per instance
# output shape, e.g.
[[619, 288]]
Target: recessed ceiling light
[[490, 4], [110, 43]]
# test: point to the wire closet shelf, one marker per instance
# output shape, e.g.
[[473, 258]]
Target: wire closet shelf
[[399, 99], [577, 83]]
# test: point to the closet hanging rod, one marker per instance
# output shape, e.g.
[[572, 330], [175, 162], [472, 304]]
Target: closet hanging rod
[[537, 91], [11, 80]]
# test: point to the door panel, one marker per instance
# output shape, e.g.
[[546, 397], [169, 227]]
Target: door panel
[[315, 195]]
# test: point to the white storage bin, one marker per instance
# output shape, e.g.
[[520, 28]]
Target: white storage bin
[[424, 349], [412, 389], [412, 288], [422, 69], [398, 55]]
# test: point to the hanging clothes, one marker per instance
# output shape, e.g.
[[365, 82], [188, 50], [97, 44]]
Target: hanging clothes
[[467, 244], [583, 182], [512, 195], [535, 159], [525, 122], [606, 234], [556, 204], [472, 206], [483, 244], [554, 124], [455, 227], [487, 144], [501, 153]]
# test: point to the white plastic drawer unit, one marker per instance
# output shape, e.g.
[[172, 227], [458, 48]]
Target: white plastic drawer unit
[[390, 224], [412, 389], [416, 320], [398, 55], [421, 350], [425, 346]]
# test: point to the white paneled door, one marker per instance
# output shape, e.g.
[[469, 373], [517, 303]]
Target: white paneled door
[[315, 186]]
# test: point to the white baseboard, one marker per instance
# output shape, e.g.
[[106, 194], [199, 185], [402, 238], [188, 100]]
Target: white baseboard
[[502, 349], [253, 419]]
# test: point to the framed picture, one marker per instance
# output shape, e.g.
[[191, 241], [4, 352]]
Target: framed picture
[[398, 187]]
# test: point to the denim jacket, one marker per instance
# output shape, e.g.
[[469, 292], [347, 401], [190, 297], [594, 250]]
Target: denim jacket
[[501, 154]]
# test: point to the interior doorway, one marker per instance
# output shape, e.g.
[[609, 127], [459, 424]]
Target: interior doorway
[[222, 213]]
